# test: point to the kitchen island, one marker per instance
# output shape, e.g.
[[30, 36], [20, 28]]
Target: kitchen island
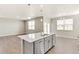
[[36, 43]]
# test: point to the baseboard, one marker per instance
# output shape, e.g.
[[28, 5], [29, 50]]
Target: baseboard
[[67, 37]]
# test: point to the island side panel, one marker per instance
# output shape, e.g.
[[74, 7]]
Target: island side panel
[[22, 46], [28, 47]]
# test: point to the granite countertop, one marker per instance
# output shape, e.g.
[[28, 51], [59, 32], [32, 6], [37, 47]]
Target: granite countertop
[[33, 37]]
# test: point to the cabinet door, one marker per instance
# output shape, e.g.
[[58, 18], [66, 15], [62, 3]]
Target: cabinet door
[[54, 39], [46, 44], [50, 42], [39, 46]]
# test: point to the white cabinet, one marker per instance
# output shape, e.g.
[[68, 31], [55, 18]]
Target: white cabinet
[[39, 46]]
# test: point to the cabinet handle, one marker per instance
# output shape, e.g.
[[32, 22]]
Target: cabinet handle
[[40, 41]]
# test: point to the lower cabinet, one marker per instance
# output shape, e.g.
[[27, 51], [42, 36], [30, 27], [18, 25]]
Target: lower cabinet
[[39, 46], [54, 39], [43, 45], [48, 43]]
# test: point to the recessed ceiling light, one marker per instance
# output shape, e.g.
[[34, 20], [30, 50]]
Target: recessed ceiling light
[[29, 18]]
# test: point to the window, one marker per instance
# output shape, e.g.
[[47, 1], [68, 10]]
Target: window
[[31, 25], [66, 24], [60, 24]]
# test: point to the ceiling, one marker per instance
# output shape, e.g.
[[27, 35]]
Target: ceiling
[[49, 10]]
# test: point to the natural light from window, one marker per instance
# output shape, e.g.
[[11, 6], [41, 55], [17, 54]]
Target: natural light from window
[[46, 28], [31, 25], [66, 24]]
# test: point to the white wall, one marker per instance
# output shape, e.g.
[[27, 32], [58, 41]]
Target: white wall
[[12, 10], [9, 24], [10, 27]]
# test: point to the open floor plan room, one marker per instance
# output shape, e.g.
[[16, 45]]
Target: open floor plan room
[[39, 28]]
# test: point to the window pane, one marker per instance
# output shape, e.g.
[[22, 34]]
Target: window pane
[[31, 25], [68, 21], [59, 27], [60, 22], [66, 24], [68, 27]]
